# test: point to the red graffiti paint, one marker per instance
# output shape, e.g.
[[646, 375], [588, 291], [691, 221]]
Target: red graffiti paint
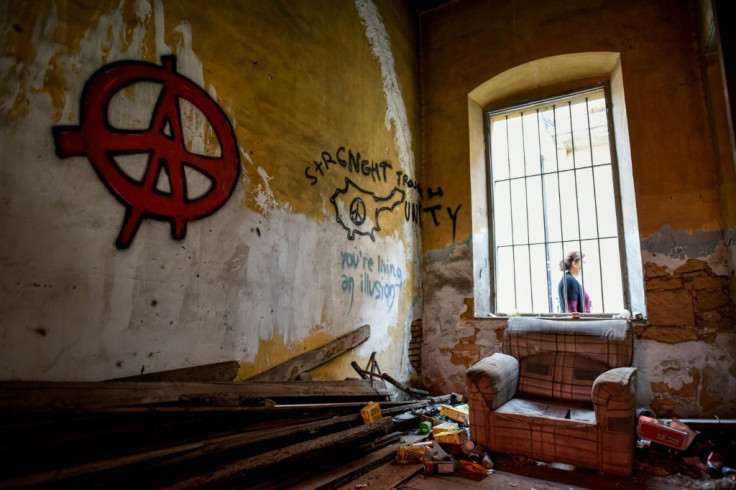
[[162, 141]]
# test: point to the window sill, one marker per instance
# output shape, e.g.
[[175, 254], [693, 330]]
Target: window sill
[[636, 319]]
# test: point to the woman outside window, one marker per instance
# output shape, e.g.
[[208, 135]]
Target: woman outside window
[[573, 298]]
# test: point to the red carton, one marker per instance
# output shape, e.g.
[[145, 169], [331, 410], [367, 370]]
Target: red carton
[[674, 434]]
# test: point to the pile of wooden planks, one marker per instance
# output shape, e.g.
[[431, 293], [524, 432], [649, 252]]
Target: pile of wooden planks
[[187, 428], [189, 435]]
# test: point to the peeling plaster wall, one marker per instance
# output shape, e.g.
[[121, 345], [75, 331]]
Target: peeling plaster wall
[[316, 93], [683, 182], [452, 339]]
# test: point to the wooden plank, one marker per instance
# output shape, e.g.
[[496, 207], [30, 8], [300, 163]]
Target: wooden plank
[[241, 468], [285, 409], [355, 469], [390, 475], [28, 397], [182, 452], [309, 360], [171, 452], [207, 373]]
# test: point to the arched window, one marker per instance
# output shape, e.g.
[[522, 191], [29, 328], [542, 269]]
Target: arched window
[[551, 175]]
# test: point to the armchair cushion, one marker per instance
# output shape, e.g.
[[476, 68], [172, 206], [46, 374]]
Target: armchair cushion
[[559, 375], [607, 341]]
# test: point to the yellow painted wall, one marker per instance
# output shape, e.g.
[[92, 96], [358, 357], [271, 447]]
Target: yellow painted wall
[[270, 273], [679, 196]]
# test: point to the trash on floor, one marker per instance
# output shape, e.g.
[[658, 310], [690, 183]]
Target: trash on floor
[[674, 434]]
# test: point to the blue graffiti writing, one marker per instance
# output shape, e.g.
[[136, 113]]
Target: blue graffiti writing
[[385, 267], [348, 284], [353, 260], [379, 290], [379, 279]]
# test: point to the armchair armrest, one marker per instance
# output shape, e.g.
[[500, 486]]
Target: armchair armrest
[[614, 399], [614, 402], [495, 378]]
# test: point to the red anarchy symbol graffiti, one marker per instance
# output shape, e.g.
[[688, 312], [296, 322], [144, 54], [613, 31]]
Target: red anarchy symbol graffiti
[[163, 143]]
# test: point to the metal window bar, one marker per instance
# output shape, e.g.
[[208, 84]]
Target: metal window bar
[[543, 171], [526, 199], [511, 205], [595, 202], [547, 246], [577, 200], [559, 204]]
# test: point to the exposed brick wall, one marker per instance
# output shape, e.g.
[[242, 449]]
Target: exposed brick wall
[[691, 303], [415, 345]]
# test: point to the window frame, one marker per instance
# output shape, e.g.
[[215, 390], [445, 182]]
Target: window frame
[[531, 104], [537, 79]]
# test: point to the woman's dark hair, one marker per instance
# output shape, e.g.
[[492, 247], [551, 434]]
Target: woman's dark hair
[[569, 259]]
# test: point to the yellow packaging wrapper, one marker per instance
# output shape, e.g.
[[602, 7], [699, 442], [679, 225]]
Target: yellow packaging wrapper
[[411, 454], [452, 436], [371, 412], [458, 413], [444, 427]]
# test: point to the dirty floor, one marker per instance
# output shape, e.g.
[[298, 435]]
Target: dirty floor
[[656, 468]]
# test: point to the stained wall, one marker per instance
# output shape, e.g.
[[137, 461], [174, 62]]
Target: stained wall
[[682, 173], [186, 184]]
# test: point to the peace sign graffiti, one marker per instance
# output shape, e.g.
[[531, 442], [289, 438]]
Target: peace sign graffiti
[[162, 142], [357, 211]]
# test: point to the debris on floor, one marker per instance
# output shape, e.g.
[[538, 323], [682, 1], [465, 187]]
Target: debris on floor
[[674, 433], [707, 462], [448, 449], [289, 434]]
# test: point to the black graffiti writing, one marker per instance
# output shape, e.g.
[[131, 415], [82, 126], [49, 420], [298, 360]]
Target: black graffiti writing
[[453, 217], [354, 205], [434, 209], [352, 162], [413, 212], [403, 180], [452, 214]]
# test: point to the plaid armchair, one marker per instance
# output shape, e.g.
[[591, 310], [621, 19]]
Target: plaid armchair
[[561, 391]]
